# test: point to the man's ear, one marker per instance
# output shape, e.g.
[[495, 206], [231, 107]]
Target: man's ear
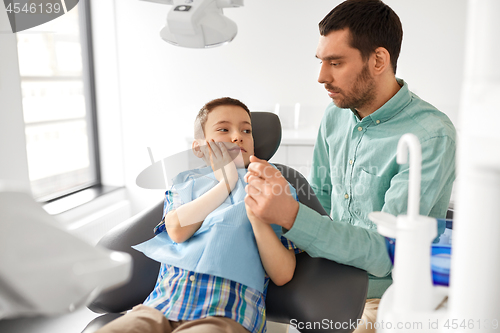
[[197, 149], [382, 60]]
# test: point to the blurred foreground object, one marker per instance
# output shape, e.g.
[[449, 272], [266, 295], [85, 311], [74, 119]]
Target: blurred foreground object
[[44, 270]]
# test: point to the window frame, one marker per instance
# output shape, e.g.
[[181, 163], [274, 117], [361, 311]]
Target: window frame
[[89, 88]]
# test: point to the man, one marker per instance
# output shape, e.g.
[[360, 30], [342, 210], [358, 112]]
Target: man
[[354, 169]]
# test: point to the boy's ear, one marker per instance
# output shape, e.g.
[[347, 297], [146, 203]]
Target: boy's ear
[[197, 149]]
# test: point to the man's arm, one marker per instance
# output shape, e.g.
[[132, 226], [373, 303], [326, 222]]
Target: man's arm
[[344, 242], [339, 241], [316, 234]]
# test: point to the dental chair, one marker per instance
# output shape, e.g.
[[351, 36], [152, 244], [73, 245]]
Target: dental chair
[[320, 289]]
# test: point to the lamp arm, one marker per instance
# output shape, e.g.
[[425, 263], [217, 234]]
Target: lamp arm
[[229, 3]]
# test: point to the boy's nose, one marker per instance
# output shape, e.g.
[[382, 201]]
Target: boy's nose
[[237, 137]]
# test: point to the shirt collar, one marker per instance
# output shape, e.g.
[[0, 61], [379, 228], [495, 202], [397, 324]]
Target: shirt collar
[[392, 107]]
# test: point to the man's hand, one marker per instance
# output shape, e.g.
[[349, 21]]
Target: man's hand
[[268, 194]]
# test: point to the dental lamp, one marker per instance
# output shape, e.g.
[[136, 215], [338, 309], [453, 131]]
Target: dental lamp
[[198, 23]]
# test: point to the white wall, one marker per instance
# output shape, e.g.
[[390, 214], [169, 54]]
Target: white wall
[[432, 55]]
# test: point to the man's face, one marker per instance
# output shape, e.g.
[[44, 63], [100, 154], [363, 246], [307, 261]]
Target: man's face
[[343, 72], [231, 124]]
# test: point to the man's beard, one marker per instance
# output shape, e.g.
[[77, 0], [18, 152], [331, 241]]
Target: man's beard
[[362, 92]]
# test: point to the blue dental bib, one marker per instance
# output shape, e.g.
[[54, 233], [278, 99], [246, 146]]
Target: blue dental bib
[[224, 245]]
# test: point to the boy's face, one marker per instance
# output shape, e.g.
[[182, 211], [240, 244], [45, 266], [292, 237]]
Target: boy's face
[[231, 124]]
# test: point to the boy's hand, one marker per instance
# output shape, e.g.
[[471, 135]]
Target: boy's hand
[[251, 216], [268, 194], [221, 162]]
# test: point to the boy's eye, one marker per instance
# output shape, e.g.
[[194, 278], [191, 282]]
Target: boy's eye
[[222, 130], [247, 131]]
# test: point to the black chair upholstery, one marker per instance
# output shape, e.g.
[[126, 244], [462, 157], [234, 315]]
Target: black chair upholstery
[[320, 289], [135, 230]]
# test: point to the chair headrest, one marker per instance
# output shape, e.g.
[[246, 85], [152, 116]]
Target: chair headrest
[[266, 129]]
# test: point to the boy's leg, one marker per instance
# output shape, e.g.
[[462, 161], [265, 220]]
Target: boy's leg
[[211, 325], [142, 319], [369, 317]]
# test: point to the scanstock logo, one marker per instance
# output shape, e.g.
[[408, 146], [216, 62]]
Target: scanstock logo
[[25, 14]]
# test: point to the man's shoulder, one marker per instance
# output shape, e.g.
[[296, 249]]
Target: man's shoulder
[[427, 121]]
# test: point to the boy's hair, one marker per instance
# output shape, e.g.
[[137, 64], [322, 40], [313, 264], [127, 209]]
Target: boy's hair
[[371, 24], [201, 118]]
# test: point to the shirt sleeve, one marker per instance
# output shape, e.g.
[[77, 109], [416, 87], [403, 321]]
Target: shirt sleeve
[[172, 201], [340, 242], [288, 244]]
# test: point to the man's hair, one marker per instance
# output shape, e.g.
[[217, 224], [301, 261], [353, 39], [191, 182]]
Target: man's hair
[[201, 118], [371, 24]]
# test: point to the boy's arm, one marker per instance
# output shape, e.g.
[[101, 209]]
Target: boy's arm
[[183, 222], [175, 231], [278, 261]]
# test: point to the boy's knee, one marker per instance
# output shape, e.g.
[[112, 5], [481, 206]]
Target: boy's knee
[[142, 319]]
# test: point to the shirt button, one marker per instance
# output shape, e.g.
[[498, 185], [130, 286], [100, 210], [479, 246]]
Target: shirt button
[[191, 278], [350, 162], [346, 196], [360, 128], [378, 121]]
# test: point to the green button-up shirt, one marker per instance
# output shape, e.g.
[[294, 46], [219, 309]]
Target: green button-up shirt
[[354, 172]]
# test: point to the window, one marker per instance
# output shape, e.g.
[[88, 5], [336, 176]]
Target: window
[[55, 63]]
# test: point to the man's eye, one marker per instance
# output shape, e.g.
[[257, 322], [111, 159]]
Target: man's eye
[[335, 64]]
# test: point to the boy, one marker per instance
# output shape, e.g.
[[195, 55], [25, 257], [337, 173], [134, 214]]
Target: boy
[[211, 278]]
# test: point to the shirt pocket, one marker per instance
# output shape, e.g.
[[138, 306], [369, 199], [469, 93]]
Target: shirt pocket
[[369, 193]]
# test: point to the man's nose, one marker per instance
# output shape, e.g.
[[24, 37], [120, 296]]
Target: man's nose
[[324, 74]]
